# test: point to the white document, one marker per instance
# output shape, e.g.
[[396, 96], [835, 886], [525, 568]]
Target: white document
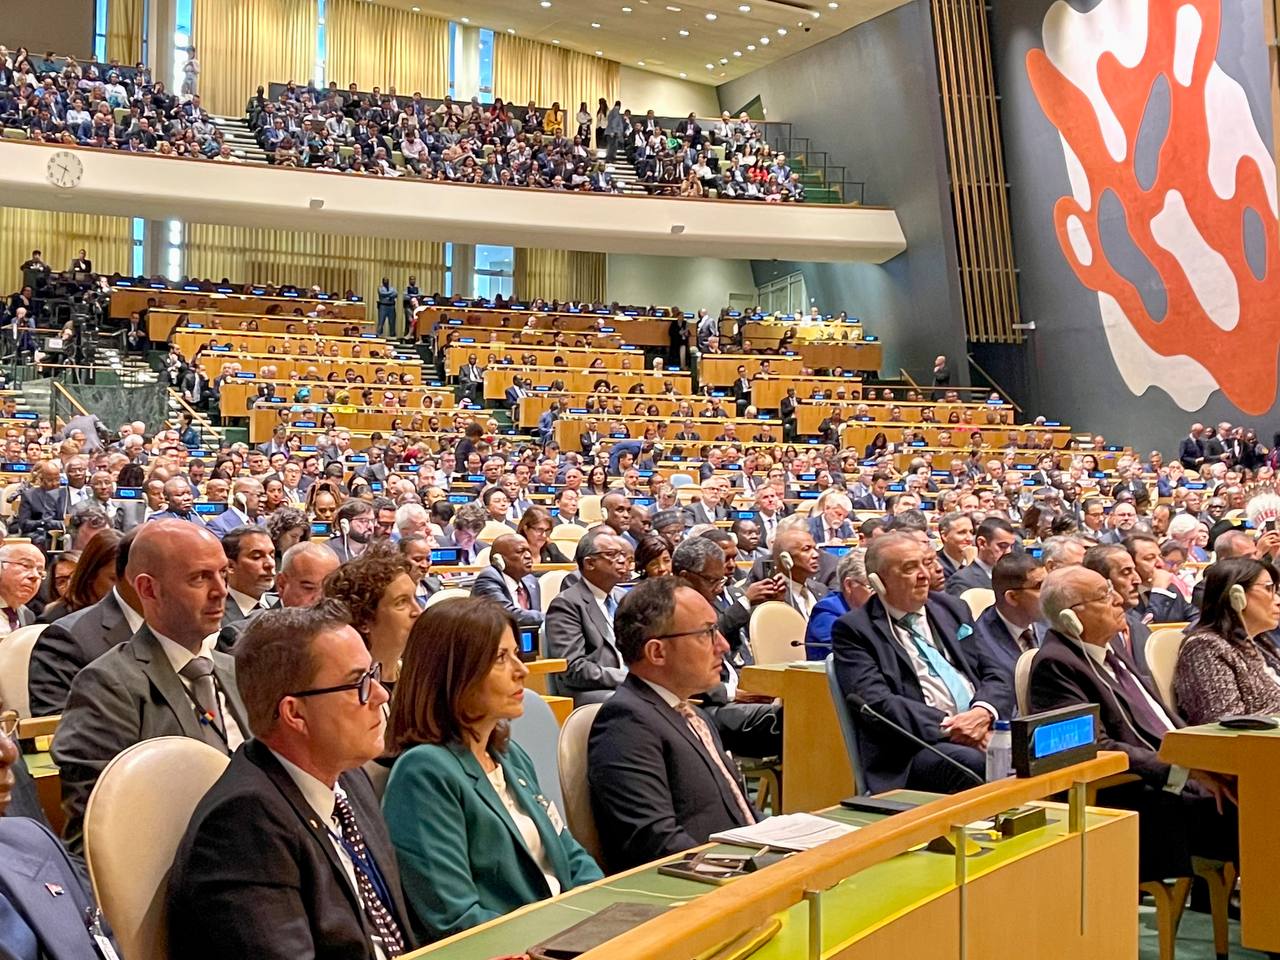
[[792, 832]]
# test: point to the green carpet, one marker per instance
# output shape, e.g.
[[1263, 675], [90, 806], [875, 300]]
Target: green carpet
[[1195, 938]]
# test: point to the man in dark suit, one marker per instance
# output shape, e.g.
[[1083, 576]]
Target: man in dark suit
[[510, 581], [1011, 626], [956, 530], [832, 524], [287, 854], [905, 653], [180, 501], [579, 621], [742, 391], [512, 397], [71, 643], [787, 413], [243, 510], [1158, 601], [43, 902], [167, 680], [42, 508], [994, 539], [1191, 449], [875, 499], [660, 779], [1115, 564], [795, 558], [471, 380], [1178, 810], [588, 439]]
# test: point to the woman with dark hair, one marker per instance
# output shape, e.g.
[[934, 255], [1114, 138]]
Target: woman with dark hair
[[378, 588], [459, 783], [324, 497], [286, 527], [535, 526], [1228, 664], [131, 476], [878, 445], [95, 572], [597, 481], [59, 568], [653, 556]]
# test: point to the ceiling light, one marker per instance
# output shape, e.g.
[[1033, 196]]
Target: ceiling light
[[544, 4], [684, 33], [723, 60], [833, 5], [599, 53], [556, 42], [782, 31], [466, 19], [416, 9], [626, 9], [595, 26], [511, 30], [764, 41], [711, 66], [744, 8], [815, 14], [684, 76], [673, 9], [711, 16], [737, 53], [640, 63], [751, 46]]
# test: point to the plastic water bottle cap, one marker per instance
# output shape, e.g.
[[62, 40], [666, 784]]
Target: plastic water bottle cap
[[1002, 725]]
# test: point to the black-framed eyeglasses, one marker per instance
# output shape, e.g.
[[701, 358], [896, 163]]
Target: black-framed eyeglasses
[[716, 583], [363, 686], [707, 633]]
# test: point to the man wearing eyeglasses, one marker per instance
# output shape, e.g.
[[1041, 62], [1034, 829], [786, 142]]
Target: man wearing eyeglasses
[[167, 679], [1182, 813], [1011, 626], [660, 779], [21, 573], [287, 854], [579, 622]]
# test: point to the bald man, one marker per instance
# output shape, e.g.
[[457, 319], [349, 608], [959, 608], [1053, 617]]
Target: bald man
[[510, 581], [1181, 813], [43, 506], [180, 503], [166, 680]]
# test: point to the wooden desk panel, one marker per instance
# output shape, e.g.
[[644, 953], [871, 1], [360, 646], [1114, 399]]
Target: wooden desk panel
[[235, 394], [575, 358], [497, 379], [297, 348], [291, 368], [721, 370], [568, 429], [641, 331], [161, 323]]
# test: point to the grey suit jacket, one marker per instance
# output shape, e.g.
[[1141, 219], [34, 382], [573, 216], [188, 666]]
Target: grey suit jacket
[[129, 694], [576, 631], [967, 578], [491, 584], [67, 646]]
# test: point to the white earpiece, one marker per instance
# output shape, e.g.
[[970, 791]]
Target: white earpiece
[[1236, 597], [1070, 624], [876, 584]]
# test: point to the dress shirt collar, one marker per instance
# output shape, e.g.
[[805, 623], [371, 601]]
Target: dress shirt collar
[[596, 592], [245, 602], [512, 585], [896, 615], [179, 656], [131, 616], [669, 698], [1015, 631], [320, 796], [1098, 653]]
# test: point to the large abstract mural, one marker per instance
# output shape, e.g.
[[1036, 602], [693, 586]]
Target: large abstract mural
[[1192, 185]]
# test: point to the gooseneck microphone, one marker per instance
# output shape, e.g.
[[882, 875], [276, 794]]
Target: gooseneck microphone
[[864, 708]]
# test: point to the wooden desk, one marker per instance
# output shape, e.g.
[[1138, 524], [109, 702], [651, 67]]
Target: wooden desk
[[641, 331], [299, 347], [721, 369], [539, 670], [163, 322], [128, 300], [235, 394], [288, 367], [815, 764], [1254, 758], [575, 358], [880, 898], [498, 378]]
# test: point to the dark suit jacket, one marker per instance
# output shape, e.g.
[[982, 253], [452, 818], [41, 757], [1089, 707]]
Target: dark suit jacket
[[128, 694], [654, 789], [33, 859], [967, 578], [1191, 452], [69, 645], [575, 630], [491, 584], [1165, 606], [871, 662], [587, 443], [1000, 645], [38, 510], [949, 566], [257, 876], [868, 503], [1136, 653], [818, 529]]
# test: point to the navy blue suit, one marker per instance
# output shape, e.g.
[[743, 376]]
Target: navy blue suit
[[818, 529], [999, 644], [870, 662]]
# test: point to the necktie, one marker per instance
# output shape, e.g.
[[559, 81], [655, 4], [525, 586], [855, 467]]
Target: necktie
[[938, 665], [1135, 698], [522, 596], [703, 733], [1026, 640], [199, 672], [610, 606], [13, 618], [379, 916]]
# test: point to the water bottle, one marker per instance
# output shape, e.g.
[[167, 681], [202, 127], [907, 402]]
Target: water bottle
[[1000, 752]]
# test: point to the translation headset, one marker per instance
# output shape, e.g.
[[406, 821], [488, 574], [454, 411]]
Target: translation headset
[[1236, 597], [1069, 624], [239, 499], [876, 584]]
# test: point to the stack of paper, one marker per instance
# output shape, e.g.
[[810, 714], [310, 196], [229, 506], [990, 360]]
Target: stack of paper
[[793, 832]]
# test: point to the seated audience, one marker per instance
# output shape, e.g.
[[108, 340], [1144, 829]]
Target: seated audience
[[378, 588], [21, 573], [993, 539], [535, 526], [905, 653], [287, 854], [1012, 624], [660, 779], [855, 590], [509, 580], [1181, 813], [1229, 664], [462, 685], [1158, 600]]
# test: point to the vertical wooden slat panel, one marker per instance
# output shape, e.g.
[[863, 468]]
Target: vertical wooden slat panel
[[975, 162]]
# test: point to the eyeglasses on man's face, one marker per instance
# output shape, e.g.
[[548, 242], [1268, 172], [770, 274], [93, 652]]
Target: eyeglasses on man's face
[[1110, 594], [363, 686], [707, 634]]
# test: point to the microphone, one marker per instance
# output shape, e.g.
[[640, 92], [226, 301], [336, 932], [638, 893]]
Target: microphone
[[864, 708]]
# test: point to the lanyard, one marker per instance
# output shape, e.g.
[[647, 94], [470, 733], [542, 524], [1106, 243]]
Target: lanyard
[[368, 867]]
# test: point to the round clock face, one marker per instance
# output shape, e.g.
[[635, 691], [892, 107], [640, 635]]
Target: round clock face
[[65, 169]]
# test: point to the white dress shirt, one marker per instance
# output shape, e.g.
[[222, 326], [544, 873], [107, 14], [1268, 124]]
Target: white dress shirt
[[131, 616], [935, 691], [526, 827], [179, 656], [246, 603]]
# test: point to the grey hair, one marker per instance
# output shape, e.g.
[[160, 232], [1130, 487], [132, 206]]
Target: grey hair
[[694, 553], [1182, 524], [853, 565], [1057, 593], [300, 549], [1055, 548], [881, 545], [408, 514], [947, 519]]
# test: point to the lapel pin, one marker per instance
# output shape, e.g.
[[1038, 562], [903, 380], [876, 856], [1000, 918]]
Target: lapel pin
[[55, 889]]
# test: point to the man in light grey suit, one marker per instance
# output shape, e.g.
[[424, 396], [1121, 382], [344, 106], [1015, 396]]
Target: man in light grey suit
[[510, 580], [167, 680], [579, 622], [709, 507]]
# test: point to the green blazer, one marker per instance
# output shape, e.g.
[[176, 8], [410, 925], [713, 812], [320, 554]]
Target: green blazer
[[462, 860]]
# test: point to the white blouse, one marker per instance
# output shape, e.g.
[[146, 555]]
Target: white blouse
[[527, 828]]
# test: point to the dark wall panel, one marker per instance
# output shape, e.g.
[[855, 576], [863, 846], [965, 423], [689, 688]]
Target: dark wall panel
[[60, 26], [870, 97]]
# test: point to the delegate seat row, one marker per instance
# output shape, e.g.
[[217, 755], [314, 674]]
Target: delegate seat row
[[169, 320], [236, 395], [299, 347]]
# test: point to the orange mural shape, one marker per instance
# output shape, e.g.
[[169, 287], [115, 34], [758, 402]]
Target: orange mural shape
[[1240, 354]]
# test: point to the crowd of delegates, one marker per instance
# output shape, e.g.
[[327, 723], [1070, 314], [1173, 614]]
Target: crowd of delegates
[[389, 134], [275, 605], [108, 106]]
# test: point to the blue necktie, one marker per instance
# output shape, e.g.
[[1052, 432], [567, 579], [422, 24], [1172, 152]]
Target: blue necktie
[[939, 666]]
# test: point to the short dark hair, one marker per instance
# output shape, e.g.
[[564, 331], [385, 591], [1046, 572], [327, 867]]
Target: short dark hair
[[233, 541], [451, 648], [1131, 542], [645, 612], [351, 509], [1216, 613], [274, 657], [122, 552], [1098, 557], [989, 527], [909, 520], [1011, 571]]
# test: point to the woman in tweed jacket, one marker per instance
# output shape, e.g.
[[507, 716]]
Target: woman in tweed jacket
[[1229, 664]]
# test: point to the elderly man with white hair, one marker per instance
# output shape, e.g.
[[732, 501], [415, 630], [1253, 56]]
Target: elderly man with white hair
[[21, 573], [832, 524], [1182, 813]]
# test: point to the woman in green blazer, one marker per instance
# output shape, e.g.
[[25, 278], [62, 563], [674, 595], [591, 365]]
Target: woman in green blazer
[[474, 835]]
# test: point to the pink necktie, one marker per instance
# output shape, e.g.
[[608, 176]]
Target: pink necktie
[[703, 733]]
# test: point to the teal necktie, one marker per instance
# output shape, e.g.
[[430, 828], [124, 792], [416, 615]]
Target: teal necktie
[[939, 666]]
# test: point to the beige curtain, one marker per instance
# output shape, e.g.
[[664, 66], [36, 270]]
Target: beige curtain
[[334, 261], [124, 30], [244, 44], [559, 275], [375, 46], [525, 70], [60, 237]]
